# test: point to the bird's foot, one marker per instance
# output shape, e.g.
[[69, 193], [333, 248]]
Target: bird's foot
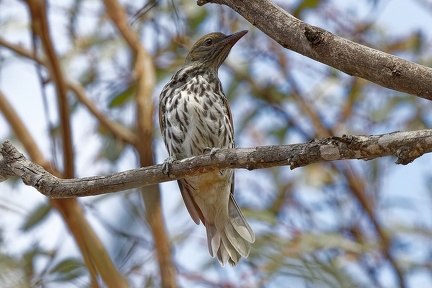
[[212, 151], [166, 165]]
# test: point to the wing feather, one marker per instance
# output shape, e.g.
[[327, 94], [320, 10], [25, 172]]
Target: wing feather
[[191, 205]]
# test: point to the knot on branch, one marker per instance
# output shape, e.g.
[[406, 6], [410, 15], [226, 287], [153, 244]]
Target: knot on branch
[[299, 159], [314, 35], [407, 155]]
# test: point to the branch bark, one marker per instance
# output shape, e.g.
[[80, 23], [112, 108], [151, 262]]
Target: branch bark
[[406, 146], [352, 58]]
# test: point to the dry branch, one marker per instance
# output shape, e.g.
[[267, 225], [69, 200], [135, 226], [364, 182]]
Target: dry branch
[[406, 146], [145, 77], [321, 45], [119, 131]]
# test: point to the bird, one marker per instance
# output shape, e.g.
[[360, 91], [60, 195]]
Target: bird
[[195, 119]]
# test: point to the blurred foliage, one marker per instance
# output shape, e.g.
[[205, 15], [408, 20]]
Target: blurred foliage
[[312, 228]]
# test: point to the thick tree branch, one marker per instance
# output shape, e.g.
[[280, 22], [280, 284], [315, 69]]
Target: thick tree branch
[[321, 45], [406, 146]]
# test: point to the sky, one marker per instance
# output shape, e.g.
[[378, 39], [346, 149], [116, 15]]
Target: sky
[[400, 16]]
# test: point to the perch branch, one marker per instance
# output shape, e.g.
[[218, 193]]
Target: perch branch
[[406, 146]]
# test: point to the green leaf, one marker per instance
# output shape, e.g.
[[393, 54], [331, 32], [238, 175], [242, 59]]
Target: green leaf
[[30, 256], [197, 19], [123, 97], [12, 273], [68, 265], [68, 270], [112, 150], [306, 4], [36, 217], [263, 216]]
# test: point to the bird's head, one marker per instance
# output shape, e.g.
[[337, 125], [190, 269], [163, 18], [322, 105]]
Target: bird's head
[[212, 49]]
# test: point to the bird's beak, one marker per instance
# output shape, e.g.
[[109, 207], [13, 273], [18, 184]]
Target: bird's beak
[[223, 48], [233, 38]]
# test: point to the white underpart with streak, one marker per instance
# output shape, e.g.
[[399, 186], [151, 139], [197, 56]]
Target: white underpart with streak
[[196, 117]]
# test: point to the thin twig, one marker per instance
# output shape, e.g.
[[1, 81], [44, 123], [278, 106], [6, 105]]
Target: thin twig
[[119, 131]]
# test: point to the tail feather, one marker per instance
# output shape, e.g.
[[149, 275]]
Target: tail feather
[[237, 241], [239, 222], [213, 240], [230, 239], [234, 256], [222, 255]]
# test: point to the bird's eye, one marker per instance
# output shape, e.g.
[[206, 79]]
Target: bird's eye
[[208, 42]]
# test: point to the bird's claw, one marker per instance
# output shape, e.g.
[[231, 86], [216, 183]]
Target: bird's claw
[[212, 151], [166, 165]]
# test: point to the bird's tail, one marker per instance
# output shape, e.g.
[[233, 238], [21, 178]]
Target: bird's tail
[[230, 240]]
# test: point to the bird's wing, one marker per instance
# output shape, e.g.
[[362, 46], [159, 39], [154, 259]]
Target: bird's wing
[[161, 119], [225, 102], [186, 191]]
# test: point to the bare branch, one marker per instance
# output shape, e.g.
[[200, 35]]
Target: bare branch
[[145, 76], [321, 45], [5, 171], [41, 31], [119, 131], [406, 146], [91, 248]]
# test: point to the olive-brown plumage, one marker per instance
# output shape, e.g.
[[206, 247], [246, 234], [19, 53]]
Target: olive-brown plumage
[[194, 117]]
